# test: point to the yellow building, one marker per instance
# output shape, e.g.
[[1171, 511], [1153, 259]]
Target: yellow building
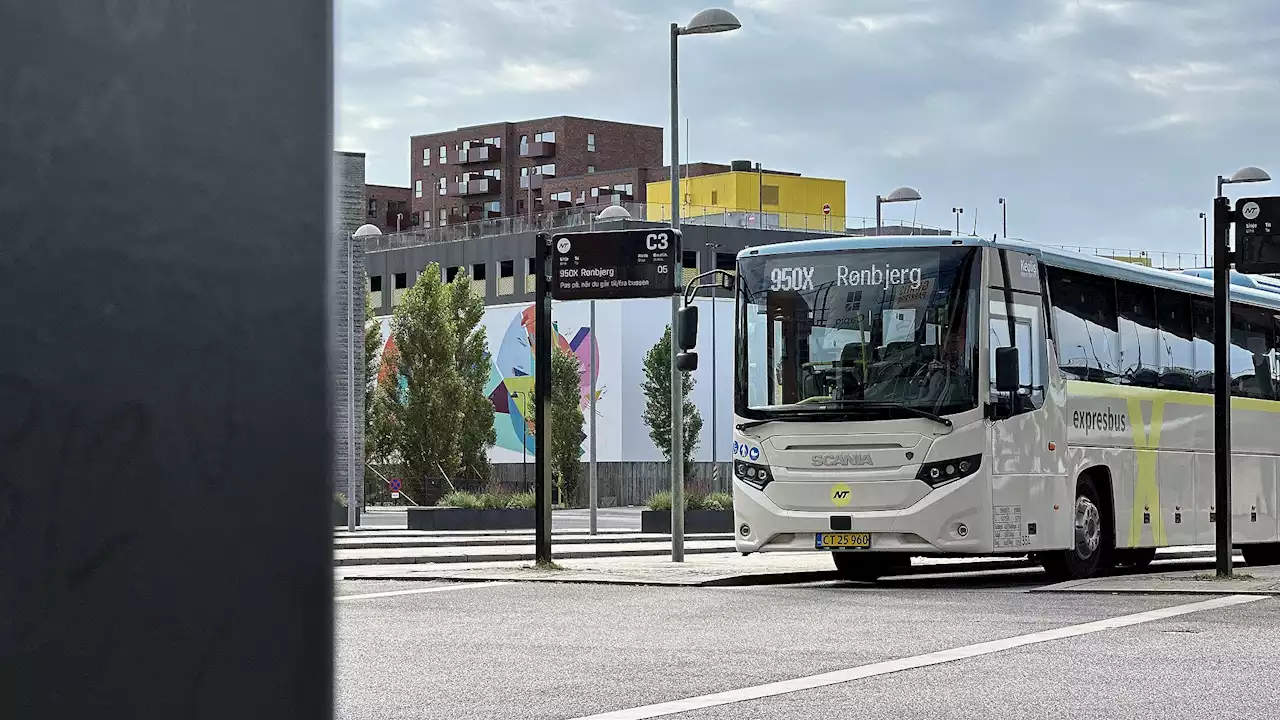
[[745, 197]]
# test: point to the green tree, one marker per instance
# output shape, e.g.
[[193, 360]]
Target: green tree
[[425, 429], [566, 423], [657, 408], [471, 356], [372, 344]]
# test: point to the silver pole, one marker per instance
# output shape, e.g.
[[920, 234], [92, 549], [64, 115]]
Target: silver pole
[[715, 398], [594, 489], [349, 320], [677, 397]]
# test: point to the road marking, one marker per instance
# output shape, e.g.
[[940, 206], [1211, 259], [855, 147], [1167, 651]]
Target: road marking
[[935, 658], [419, 591]]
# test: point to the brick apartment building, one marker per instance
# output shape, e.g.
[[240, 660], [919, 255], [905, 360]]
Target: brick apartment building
[[527, 167], [387, 207]]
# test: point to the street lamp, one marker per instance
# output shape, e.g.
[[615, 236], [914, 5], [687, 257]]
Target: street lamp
[[1222, 363], [902, 194], [957, 211], [361, 232], [1004, 219], [713, 20], [1204, 222]]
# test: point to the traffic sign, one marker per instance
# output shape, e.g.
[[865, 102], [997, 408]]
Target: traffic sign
[[1257, 222], [642, 263], [826, 208], [395, 488]]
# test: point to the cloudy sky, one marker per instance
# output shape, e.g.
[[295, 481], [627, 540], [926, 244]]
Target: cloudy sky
[[1104, 122]]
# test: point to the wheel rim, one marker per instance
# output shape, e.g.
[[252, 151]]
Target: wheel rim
[[1088, 528]]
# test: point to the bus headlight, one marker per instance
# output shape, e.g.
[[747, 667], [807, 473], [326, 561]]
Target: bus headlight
[[757, 476], [945, 471]]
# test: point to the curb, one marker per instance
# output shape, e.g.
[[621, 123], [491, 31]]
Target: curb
[[492, 541], [515, 557]]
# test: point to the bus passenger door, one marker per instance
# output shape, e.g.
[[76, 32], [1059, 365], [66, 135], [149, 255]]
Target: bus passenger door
[[1028, 427]]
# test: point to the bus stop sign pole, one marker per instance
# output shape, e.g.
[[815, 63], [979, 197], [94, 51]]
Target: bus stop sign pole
[[541, 395], [1221, 513]]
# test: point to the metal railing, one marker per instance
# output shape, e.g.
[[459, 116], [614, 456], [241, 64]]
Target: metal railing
[[584, 215], [1158, 259]]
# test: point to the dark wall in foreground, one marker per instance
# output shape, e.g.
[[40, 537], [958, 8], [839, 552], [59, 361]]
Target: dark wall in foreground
[[175, 374]]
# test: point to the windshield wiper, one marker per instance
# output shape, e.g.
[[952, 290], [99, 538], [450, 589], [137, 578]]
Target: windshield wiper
[[873, 405], [793, 415]]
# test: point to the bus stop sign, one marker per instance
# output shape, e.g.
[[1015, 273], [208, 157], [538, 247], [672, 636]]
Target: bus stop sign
[[643, 263], [1257, 222]]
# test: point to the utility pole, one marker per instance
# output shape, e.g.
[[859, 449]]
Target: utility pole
[[1222, 381], [594, 490], [677, 382]]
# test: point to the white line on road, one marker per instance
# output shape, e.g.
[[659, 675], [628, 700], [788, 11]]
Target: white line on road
[[935, 658], [418, 591]]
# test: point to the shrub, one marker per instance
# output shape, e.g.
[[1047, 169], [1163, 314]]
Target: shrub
[[660, 501], [340, 498], [460, 499], [694, 500], [525, 500], [719, 501]]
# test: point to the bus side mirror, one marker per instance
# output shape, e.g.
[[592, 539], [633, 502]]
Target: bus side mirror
[[1007, 369], [687, 361], [688, 339]]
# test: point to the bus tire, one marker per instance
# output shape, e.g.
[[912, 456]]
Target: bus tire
[[865, 567], [1136, 558], [1091, 554], [1267, 554]]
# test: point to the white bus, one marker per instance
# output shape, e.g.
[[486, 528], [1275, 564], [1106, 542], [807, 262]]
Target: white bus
[[870, 418]]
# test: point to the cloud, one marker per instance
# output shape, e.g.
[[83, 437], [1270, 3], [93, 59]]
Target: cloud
[[1052, 104]]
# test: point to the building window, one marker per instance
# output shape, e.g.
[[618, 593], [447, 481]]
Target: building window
[[548, 169], [689, 258], [426, 157], [478, 271], [495, 173], [375, 283], [413, 219], [373, 208], [725, 261], [528, 266], [402, 281], [769, 194], [591, 142], [595, 192], [444, 216], [563, 196], [506, 268], [524, 172], [450, 273], [493, 206], [440, 186], [417, 192], [591, 169], [715, 197], [547, 137], [444, 154]]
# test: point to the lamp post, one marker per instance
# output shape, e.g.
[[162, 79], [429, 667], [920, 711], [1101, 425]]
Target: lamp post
[[349, 320], [1204, 222], [957, 211], [1004, 218], [902, 194], [715, 441], [714, 20], [1222, 363]]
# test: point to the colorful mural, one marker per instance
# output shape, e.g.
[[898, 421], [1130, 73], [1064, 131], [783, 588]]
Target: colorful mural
[[510, 386]]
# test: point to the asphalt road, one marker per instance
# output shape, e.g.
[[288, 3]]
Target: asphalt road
[[570, 651], [606, 519]]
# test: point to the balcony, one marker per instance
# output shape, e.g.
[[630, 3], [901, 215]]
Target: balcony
[[478, 154], [475, 186], [531, 182], [538, 150]]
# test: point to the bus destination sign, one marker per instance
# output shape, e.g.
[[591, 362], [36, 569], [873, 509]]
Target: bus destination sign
[[615, 264]]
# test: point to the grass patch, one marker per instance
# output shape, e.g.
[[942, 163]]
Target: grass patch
[[548, 565], [1214, 576]]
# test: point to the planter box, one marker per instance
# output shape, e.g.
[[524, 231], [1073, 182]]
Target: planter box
[[340, 516], [446, 518], [695, 521]]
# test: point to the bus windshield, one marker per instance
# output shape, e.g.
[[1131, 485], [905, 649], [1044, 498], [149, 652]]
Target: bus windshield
[[858, 332]]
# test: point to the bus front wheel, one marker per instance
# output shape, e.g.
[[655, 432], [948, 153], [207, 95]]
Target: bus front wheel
[[1091, 553]]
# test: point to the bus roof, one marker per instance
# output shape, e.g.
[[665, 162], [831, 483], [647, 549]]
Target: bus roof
[[1257, 290]]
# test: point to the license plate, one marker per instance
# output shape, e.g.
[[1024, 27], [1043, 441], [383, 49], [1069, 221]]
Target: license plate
[[843, 540]]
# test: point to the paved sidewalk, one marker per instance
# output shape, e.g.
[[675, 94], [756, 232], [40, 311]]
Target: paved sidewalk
[[405, 540], [1247, 580]]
